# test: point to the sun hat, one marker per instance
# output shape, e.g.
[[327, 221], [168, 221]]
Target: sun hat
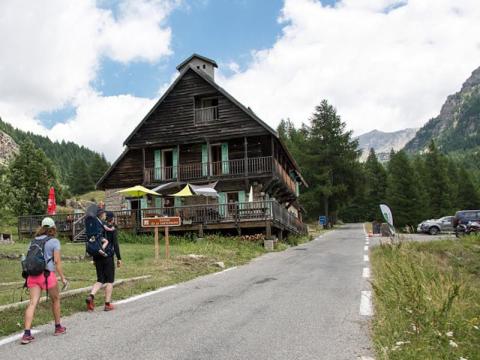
[[48, 222]]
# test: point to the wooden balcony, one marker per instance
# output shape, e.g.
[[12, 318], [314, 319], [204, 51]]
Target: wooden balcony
[[206, 115], [211, 216], [239, 168]]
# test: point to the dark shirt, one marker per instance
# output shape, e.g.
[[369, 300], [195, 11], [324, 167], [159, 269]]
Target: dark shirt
[[111, 236]]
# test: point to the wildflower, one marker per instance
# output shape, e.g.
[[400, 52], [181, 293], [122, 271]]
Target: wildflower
[[400, 343], [453, 344], [449, 334]]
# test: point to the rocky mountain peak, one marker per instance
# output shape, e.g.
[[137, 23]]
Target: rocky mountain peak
[[8, 148]]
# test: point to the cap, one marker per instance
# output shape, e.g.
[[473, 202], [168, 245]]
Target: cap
[[48, 222], [110, 215]]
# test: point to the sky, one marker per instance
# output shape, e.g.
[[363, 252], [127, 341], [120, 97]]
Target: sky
[[88, 71]]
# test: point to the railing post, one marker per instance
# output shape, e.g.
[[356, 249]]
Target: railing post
[[245, 154]]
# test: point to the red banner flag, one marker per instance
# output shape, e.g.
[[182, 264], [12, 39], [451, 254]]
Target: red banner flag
[[52, 204]]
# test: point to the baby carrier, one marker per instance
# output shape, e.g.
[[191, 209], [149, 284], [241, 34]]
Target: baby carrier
[[95, 232]]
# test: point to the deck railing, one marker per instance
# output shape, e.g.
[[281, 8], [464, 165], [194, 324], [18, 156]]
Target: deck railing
[[207, 214], [206, 115]]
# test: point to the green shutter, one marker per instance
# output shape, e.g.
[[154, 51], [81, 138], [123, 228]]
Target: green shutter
[[143, 205], [158, 165], [177, 201], [241, 199], [297, 188], [222, 200], [175, 162], [225, 163], [204, 160], [158, 202]]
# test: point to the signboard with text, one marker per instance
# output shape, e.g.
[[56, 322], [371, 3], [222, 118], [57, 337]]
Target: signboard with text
[[161, 221]]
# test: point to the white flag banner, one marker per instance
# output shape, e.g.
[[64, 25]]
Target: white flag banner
[[387, 214]]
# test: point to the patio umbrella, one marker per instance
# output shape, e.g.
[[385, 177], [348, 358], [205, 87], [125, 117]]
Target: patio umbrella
[[205, 190], [138, 191], [52, 204], [184, 192]]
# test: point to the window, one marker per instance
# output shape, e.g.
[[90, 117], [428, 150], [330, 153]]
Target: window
[[206, 110]]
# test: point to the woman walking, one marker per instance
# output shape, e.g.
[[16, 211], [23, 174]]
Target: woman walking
[[46, 281]]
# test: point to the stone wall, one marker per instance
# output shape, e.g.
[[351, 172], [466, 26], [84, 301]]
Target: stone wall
[[115, 201]]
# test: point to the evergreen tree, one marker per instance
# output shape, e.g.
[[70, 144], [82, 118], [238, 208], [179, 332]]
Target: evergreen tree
[[468, 195], [402, 191], [30, 176], [330, 162], [438, 188], [376, 186], [97, 167], [80, 181]]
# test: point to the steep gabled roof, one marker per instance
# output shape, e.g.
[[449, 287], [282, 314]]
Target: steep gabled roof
[[225, 93]]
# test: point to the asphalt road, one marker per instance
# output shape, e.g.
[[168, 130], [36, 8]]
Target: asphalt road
[[302, 303]]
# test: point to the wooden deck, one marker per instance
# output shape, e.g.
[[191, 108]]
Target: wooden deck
[[268, 216]]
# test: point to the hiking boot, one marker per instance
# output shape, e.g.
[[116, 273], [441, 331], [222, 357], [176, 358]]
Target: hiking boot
[[90, 304], [109, 307], [60, 330], [27, 339]]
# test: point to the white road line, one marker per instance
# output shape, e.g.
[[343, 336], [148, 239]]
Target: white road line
[[221, 272], [365, 258], [13, 338], [141, 296], [365, 248], [366, 358], [366, 308], [366, 273]]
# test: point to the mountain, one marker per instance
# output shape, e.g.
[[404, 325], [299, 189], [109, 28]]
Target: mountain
[[457, 127], [8, 148], [384, 142], [62, 154]]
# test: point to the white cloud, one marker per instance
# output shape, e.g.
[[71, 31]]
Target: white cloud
[[50, 55], [385, 64]]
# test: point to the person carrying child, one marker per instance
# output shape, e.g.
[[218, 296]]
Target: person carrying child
[[104, 265], [40, 266]]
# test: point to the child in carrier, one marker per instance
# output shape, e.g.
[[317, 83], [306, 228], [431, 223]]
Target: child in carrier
[[95, 229]]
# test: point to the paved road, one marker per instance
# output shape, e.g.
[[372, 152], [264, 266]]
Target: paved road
[[299, 304]]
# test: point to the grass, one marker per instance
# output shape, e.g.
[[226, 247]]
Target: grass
[[138, 259], [427, 299], [96, 196]]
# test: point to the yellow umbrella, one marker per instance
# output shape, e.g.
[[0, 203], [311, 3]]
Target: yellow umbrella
[[138, 191], [184, 192]]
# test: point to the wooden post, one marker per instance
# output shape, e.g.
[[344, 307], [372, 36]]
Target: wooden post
[[200, 231], [268, 230], [245, 155], [209, 165], [167, 243], [178, 162], [156, 244]]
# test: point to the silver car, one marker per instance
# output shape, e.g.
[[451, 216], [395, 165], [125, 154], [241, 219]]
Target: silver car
[[435, 226]]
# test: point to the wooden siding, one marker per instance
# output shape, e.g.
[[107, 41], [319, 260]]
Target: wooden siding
[[128, 171], [172, 122]]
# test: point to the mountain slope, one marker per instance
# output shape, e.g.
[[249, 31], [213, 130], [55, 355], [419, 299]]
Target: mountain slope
[[457, 127], [62, 154], [8, 148], [384, 142]]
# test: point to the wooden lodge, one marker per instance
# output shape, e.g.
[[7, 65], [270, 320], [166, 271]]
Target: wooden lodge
[[198, 133]]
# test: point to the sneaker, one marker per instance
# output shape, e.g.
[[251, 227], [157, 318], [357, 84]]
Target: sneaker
[[90, 304], [60, 330], [27, 339], [109, 307]]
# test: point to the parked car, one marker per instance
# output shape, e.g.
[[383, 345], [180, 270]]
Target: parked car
[[435, 226], [465, 216]]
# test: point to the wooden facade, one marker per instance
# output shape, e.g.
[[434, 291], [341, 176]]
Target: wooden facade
[[198, 133]]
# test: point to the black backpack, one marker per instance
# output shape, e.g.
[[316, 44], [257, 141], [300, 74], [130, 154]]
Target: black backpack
[[34, 263]]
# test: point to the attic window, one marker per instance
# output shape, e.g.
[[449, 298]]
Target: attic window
[[204, 66], [206, 110], [198, 67]]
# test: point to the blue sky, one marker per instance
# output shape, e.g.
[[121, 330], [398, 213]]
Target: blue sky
[[224, 30]]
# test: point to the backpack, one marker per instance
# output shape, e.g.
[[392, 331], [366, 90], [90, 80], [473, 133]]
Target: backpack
[[34, 263]]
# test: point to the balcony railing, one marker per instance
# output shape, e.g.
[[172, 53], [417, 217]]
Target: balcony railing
[[233, 213], [206, 115]]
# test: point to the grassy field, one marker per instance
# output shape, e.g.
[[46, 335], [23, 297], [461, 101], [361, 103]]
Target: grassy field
[[138, 260], [427, 300]]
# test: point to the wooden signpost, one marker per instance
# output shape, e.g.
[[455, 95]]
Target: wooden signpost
[[165, 222]]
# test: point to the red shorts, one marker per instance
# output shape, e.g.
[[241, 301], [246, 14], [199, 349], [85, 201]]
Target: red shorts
[[39, 280]]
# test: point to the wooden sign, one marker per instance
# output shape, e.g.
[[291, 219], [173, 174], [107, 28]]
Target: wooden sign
[[161, 221], [165, 222]]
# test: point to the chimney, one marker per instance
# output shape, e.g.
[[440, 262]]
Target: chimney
[[199, 62]]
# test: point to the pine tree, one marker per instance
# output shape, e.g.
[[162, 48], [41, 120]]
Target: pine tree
[[30, 176], [330, 162], [376, 186], [468, 194], [402, 191], [80, 181], [97, 168], [438, 188]]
